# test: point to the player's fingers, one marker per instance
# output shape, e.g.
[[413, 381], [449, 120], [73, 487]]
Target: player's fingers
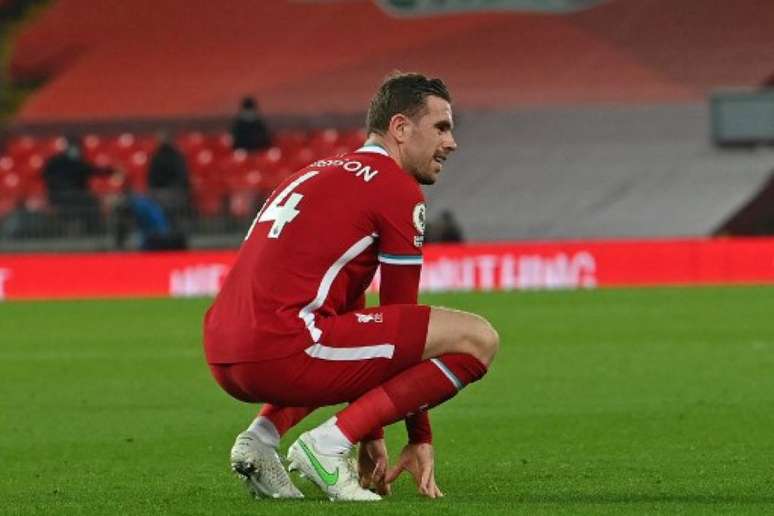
[[432, 488], [429, 492], [393, 473], [379, 469], [437, 492], [383, 489], [377, 477], [424, 480], [362, 476]]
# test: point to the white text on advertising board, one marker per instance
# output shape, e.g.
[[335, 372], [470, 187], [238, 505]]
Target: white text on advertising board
[[197, 280]]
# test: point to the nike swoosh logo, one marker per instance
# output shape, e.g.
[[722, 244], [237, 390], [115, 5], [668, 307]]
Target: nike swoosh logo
[[329, 478]]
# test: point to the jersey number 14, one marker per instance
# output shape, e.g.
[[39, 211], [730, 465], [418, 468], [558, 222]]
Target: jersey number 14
[[277, 212]]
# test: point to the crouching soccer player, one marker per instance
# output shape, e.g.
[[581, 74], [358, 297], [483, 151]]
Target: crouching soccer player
[[289, 327]]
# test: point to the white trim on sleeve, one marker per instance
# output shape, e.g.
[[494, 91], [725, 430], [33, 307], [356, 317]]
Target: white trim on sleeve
[[395, 259]]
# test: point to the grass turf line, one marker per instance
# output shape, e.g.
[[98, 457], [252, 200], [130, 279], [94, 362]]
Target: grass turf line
[[603, 402]]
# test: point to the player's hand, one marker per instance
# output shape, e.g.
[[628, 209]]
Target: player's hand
[[418, 460], [372, 461]]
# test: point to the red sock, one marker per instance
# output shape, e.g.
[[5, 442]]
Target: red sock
[[284, 418], [420, 387]]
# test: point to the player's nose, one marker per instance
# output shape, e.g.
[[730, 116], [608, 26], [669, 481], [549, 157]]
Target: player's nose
[[450, 144]]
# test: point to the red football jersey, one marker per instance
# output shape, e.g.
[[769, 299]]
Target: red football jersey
[[312, 251]]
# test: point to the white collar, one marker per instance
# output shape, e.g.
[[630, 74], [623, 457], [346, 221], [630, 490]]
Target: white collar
[[373, 148]]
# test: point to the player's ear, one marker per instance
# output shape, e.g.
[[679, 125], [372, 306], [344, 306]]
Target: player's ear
[[400, 127]]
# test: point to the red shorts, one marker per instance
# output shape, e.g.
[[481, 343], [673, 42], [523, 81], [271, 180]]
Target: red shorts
[[357, 352]]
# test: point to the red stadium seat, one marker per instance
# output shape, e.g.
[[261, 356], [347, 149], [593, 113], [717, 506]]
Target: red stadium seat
[[209, 202], [225, 142], [352, 139], [231, 166], [36, 201], [342, 149], [120, 148], [105, 159], [110, 185], [250, 179], [20, 147], [273, 177], [36, 198], [92, 145], [52, 145], [220, 144], [136, 169], [303, 157], [190, 143], [7, 164], [11, 191], [208, 188], [323, 142], [270, 157], [35, 164], [290, 140], [146, 143], [203, 162], [7, 205], [242, 204]]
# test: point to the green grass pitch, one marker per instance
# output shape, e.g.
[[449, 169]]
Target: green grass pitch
[[600, 402]]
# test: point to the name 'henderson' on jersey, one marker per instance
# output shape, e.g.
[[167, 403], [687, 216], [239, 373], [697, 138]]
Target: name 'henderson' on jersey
[[312, 251]]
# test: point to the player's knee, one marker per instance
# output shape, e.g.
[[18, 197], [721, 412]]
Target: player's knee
[[488, 342], [484, 341], [452, 331]]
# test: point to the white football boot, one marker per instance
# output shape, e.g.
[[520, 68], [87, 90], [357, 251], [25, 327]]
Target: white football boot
[[260, 467], [334, 474]]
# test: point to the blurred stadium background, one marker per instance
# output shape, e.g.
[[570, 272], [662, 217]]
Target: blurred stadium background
[[582, 119], [577, 120], [603, 143]]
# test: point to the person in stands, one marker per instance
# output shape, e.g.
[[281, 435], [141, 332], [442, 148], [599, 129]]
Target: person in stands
[[249, 130], [66, 176]]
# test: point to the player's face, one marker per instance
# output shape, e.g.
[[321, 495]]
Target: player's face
[[430, 141]]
